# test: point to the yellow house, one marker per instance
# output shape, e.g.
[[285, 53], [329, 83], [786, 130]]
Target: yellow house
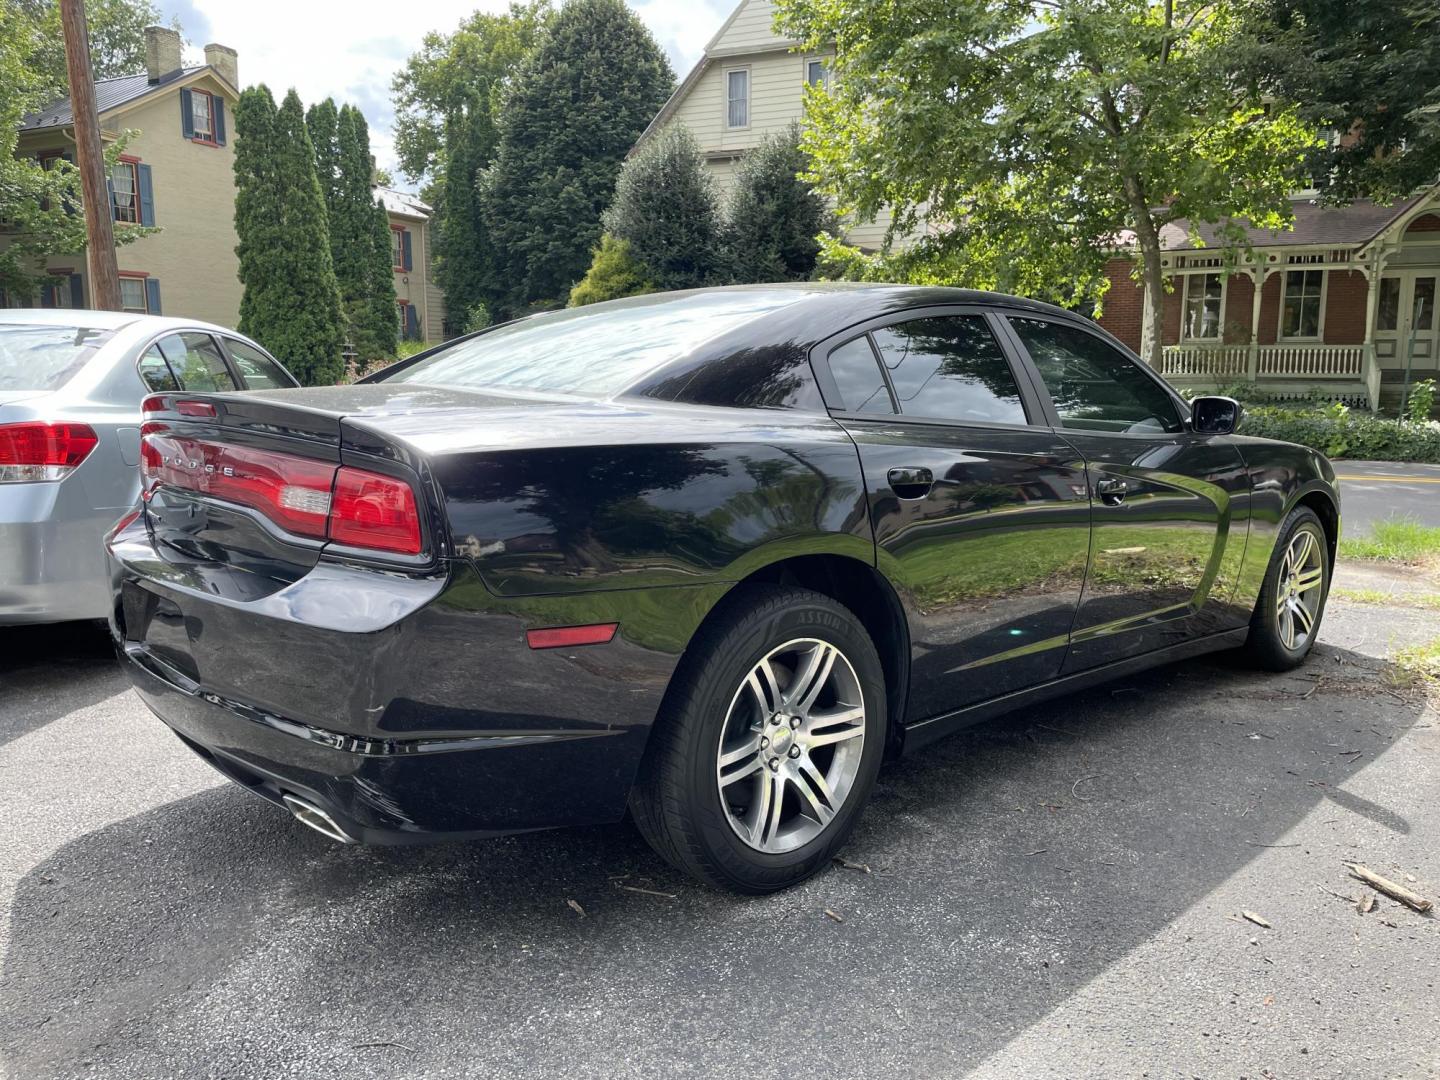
[[419, 299], [748, 84], [176, 173]]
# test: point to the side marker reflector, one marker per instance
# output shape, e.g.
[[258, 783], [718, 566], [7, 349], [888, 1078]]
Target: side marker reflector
[[560, 637]]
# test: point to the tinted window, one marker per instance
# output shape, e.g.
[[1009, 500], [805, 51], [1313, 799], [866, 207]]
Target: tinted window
[[950, 367], [197, 362], [45, 357], [156, 372], [1095, 386], [257, 371], [596, 350], [857, 375]]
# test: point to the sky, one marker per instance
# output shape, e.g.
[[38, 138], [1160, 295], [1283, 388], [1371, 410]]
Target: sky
[[350, 50]]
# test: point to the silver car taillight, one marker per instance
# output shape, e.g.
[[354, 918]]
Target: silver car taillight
[[37, 451]]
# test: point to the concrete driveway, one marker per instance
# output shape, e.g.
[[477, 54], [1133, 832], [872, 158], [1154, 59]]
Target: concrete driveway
[[1372, 491], [1055, 894]]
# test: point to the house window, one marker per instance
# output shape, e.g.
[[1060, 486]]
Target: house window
[[400, 306], [1204, 295], [201, 112], [397, 248], [124, 181], [1300, 309], [817, 74], [132, 295], [737, 98], [1388, 317]]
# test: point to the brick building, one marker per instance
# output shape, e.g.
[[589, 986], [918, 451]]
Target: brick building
[[1344, 302]]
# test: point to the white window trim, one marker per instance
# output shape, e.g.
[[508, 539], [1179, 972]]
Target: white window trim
[[209, 132], [1319, 335], [144, 308], [816, 58], [749, 98], [1224, 302]]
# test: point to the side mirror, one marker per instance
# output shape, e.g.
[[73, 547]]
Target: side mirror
[[1215, 415]]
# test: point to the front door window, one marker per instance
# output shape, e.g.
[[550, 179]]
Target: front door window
[[1406, 325]]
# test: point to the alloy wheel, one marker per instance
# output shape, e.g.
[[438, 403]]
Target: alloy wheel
[[1298, 590], [791, 745]]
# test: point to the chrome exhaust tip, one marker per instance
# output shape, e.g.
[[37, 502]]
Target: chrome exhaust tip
[[307, 813]]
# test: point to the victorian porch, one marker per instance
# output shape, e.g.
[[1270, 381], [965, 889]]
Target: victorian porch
[[1339, 305]]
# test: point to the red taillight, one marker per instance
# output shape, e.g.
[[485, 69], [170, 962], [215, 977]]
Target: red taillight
[[374, 511], [195, 408], [35, 450], [291, 491], [349, 506], [560, 637]]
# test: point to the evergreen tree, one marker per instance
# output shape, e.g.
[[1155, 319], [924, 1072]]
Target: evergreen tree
[[463, 266], [774, 216], [614, 272], [322, 122], [352, 233], [579, 102], [291, 304], [665, 209], [383, 320]]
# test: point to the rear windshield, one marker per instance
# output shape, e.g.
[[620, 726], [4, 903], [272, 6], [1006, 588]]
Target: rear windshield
[[593, 351], [45, 357]]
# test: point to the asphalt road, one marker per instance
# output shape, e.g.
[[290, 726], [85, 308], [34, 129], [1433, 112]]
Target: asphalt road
[[1055, 894], [1372, 491]]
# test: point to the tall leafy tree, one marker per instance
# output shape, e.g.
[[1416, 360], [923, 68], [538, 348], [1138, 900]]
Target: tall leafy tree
[[322, 121], [665, 210], [1367, 75], [117, 39], [384, 329], [291, 304], [579, 102], [774, 216], [1035, 138]]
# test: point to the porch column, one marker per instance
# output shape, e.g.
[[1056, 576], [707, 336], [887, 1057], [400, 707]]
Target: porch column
[[1252, 369], [1369, 366]]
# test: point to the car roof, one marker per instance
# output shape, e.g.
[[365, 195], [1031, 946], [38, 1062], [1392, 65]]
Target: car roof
[[105, 320]]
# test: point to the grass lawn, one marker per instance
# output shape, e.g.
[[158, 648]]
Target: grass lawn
[[1399, 540]]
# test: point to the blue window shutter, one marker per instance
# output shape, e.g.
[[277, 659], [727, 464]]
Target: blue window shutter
[[405, 241], [152, 295], [217, 121], [77, 291], [187, 118], [48, 299], [146, 194], [412, 322]]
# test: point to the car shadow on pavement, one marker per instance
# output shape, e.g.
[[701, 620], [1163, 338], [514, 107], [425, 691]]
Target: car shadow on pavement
[[49, 671], [992, 877]]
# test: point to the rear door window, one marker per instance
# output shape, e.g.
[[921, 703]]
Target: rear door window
[[197, 362], [1094, 386], [156, 373], [950, 367], [256, 370], [856, 372]]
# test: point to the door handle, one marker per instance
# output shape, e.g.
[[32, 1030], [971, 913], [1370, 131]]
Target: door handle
[[1112, 492], [911, 482]]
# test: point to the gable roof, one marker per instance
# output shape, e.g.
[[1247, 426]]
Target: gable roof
[[401, 202], [1343, 226], [109, 94]]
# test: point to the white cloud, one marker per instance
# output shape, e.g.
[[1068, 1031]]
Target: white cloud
[[351, 51]]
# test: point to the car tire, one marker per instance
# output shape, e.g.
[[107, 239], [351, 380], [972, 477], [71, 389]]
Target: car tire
[[1286, 620], [728, 738]]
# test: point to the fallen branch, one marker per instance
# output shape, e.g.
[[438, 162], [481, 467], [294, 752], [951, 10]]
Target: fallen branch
[[1389, 888], [832, 915], [1258, 920], [648, 892]]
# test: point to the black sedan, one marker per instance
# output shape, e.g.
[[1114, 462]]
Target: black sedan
[[708, 556]]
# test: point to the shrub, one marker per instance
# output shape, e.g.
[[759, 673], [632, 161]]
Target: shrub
[[774, 216], [1421, 401], [614, 272], [1337, 432]]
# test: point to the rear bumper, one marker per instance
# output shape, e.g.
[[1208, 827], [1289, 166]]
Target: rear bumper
[[52, 562], [406, 708]]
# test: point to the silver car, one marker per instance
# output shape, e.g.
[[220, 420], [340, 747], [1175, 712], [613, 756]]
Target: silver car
[[71, 384]]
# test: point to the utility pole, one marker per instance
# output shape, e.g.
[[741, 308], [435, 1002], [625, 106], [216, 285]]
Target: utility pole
[[90, 159]]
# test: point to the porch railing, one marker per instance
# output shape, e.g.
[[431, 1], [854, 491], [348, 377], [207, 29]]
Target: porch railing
[[1222, 362]]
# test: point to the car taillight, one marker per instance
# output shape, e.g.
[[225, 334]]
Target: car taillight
[[35, 450], [350, 506], [371, 510]]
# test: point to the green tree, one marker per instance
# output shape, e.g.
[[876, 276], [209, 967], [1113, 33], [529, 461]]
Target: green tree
[[579, 102], [463, 264], [322, 121], [665, 210], [384, 329], [1033, 138], [290, 304], [614, 272], [1368, 75], [774, 216], [117, 40], [35, 203]]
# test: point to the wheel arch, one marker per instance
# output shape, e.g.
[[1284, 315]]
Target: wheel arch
[[1320, 500]]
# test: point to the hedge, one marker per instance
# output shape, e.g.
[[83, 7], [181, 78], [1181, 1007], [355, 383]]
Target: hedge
[[1336, 432]]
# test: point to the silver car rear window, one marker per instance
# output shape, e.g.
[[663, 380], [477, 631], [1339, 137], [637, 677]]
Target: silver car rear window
[[45, 357]]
